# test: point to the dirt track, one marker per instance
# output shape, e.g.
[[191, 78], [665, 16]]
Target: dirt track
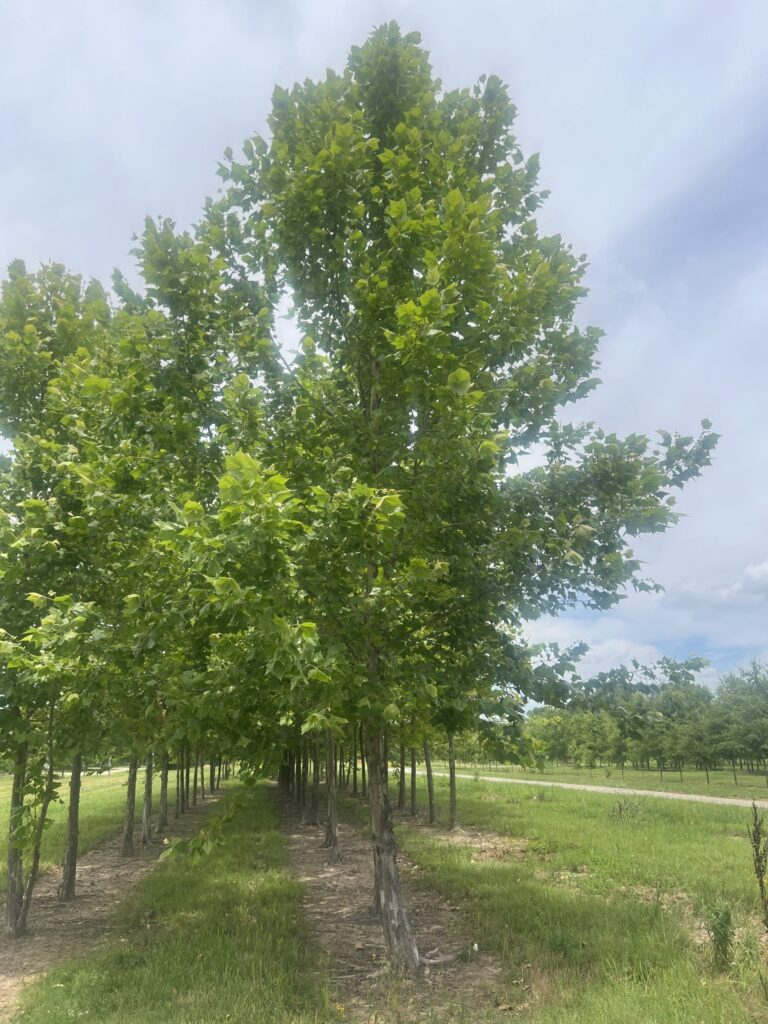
[[696, 798]]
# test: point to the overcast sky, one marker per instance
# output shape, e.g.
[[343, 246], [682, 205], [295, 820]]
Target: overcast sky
[[650, 121]]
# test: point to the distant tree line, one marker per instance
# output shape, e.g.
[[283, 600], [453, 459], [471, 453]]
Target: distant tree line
[[658, 717]]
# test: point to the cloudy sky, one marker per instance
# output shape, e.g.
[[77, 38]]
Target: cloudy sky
[[650, 121]]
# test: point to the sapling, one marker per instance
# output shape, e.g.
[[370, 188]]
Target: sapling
[[758, 840]]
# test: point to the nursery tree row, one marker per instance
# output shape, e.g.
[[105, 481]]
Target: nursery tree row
[[213, 548]]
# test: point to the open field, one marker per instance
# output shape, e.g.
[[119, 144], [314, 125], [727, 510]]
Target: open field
[[102, 805], [721, 782], [597, 912]]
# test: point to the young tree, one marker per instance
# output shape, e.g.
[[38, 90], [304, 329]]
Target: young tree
[[440, 347]]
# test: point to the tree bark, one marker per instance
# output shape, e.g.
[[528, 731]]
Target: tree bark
[[401, 945], [14, 894], [146, 813], [413, 782], [130, 809], [194, 783], [162, 814], [212, 775], [314, 808], [37, 839], [304, 780], [332, 830], [363, 783], [401, 787], [69, 874], [202, 776], [187, 772], [453, 818], [430, 782], [354, 760]]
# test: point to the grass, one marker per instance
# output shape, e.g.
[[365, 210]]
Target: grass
[[721, 782], [602, 920], [206, 941], [102, 806]]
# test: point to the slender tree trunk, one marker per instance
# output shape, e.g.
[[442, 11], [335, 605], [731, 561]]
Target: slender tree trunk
[[304, 780], [218, 775], [187, 775], [733, 766], [69, 874], [178, 790], [453, 818], [314, 807], [14, 894], [354, 760], [162, 814], [332, 830], [194, 783], [430, 782], [413, 782], [130, 808], [212, 775], [202, 776], [146, 813], [401, 786], [397, 931], [363, 783], [37, 839]]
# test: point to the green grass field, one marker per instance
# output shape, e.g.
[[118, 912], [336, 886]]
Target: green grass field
[[598, 917], [102, 804], [601, 919], [213, 940], [721, 782]]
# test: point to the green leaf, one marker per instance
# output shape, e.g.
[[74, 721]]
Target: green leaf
[[459, 381]]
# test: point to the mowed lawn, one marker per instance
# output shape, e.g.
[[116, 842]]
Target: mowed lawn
[[599, 909], [102, 805], [749, 786]]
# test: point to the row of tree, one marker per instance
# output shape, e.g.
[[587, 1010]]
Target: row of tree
[[659, 716], [208, 551]]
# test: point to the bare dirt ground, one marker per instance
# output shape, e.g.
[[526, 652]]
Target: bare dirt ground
[[59, 931], [338, 908]]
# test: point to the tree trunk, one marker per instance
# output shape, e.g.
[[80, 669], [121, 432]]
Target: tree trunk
[[332, 830], [187, 772], [314, 807], [69, 874], [453, 818], [37, 839], [212, 775], [304, 780], [194, 783], [162, 814], [401, 786], [413, 782], [130, 808], [14, 894], [363, 783], [397, 931], [354, 760], [146, 814], [218, 775], [430, 782], [202, 776]]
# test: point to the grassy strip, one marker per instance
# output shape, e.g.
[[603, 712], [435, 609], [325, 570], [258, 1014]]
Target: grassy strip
[[749, 787], [102, 806], [209, 940], [600, 920]]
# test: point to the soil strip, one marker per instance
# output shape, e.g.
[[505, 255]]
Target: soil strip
[[338, 908]]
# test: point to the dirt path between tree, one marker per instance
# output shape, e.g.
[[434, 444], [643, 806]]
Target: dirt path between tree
[[59, 931], [695, 798], [338, 908]]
